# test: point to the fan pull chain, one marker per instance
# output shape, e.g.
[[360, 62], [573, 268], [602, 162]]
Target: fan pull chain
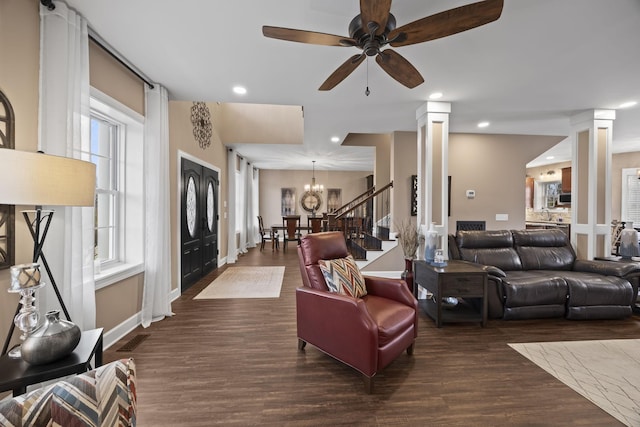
[[367, 91]]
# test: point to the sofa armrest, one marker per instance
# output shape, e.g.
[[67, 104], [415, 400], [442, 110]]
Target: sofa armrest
[[495, 271], [608, 268], [393, 289]]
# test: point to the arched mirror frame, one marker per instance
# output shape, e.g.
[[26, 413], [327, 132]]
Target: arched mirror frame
[[7, 212]]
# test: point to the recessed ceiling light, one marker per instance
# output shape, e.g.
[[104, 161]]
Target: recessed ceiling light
[[335, 139], [436, 95], [239, 90], [483, 124], [627, 104], [550, 157]]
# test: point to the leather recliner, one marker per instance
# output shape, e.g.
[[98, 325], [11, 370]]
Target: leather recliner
[[365, 333]]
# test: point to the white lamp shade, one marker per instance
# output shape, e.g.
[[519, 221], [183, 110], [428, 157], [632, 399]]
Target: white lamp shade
[[28, 178]]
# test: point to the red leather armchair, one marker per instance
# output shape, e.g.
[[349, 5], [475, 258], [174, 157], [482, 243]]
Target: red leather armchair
[[365, 333]]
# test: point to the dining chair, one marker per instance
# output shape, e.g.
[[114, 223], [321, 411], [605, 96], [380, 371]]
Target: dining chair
[[314, 223], [291, 224], [267, 235]]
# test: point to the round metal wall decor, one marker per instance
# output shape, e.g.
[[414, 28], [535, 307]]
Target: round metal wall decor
[[311, 201], [191, 207], [201, 120]]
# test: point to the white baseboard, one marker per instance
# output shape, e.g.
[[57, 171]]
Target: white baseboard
[[113, 335]]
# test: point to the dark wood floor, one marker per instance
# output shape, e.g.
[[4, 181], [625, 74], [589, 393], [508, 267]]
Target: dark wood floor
[[236, 362]]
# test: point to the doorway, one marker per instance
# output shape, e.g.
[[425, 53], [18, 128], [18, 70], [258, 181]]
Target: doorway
[[199, 221]]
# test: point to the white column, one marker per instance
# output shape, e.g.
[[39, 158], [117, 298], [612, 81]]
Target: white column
[[591, 133], [433, 169]]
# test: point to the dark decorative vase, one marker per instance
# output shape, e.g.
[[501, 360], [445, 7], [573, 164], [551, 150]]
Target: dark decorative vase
[[53, 340], [407, 274]]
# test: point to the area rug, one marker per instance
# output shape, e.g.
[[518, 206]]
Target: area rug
[[606, 372], [245, 282]]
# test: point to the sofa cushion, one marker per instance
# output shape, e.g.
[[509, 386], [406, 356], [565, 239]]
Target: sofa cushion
[[492, 247], [343, 276], [527, 290], [544, 249]]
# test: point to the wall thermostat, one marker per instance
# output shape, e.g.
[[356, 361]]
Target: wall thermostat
[[471, 194]]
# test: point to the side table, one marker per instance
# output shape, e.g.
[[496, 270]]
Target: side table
[[16, 374], [459, 279]]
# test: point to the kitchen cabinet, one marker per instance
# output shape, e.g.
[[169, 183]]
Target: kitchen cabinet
[[566, 180]]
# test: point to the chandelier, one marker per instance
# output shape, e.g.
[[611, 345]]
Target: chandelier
[[313, 187]]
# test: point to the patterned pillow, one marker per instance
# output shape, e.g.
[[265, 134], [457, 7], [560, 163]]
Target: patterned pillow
[[343, 276]]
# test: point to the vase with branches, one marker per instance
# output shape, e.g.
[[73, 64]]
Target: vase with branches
[[409, 239]]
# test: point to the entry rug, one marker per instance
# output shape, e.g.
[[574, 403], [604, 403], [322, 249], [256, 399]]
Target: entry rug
[[606, 372], [245, 282]]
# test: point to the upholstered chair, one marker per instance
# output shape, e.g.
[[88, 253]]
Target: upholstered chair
[[366, 332]]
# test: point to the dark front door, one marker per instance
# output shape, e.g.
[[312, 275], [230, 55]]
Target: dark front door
[[199, 222]]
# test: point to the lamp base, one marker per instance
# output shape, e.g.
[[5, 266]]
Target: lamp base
[[15, 352]]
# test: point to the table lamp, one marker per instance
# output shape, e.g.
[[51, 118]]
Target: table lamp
[[39, 179]]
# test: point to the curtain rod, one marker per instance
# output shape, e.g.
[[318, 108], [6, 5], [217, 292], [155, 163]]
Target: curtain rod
[[107, 48]]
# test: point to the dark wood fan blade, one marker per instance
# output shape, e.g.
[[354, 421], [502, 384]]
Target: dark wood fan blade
[[375, 11], [447, 23], [399, 68], [342, 72], [302, 36]]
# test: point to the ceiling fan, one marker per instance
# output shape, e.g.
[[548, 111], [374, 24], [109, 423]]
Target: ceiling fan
[[375, 27]]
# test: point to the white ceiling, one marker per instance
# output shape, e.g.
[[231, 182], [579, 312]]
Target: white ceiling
[[526, 73]]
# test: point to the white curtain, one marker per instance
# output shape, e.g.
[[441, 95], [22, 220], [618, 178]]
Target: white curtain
[[157, 271], [64, 131], [232, 248], [256, 204], [242, 206], [251, 217]]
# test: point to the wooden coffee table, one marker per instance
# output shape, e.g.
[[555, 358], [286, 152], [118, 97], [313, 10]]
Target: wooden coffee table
[[459, 279], [16, 374]]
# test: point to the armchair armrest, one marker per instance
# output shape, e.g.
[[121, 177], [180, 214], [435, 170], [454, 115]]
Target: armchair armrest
[[393, 289], [338, 325]]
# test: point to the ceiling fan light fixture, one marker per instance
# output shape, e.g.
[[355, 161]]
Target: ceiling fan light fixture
[[375, 27]]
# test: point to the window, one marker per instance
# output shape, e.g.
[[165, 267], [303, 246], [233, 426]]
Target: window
[[117, 142], [105, 136], [630, 196]]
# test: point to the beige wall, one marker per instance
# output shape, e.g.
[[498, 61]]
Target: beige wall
[[495, 167], [261, 124], [181, 139], [111, 77], [271, 181], [404, 154], [19, 53], [620, 161]]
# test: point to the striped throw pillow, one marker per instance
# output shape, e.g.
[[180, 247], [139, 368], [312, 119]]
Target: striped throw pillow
[[343, 276]]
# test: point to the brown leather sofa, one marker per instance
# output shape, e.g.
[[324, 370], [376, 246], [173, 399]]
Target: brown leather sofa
[[365, 333], [535, 274]]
